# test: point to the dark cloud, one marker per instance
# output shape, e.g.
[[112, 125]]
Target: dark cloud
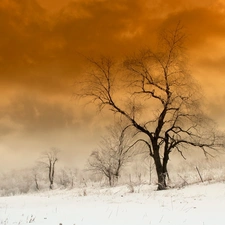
[[216, 110], [42, 51], [30, 114], [214, 64], [201, 24], [5, 128], [41, 48], [21, 23]]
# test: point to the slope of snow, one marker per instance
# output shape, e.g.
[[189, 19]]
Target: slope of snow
[[201, 204]]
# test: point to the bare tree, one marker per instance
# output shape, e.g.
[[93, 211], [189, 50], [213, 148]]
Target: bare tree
[[64, 178], [114, 152], [68, 176], [164, 100], [35, 175], [48, 160], [73, 175]]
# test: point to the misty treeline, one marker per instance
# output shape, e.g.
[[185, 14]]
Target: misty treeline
[[45, 174], [138, 171], [154, 93], [49, 172], [118, 162]]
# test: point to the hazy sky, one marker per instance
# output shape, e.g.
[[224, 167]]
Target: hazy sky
[[39, 63]]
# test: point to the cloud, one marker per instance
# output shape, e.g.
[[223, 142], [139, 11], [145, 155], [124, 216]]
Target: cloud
[[41, 43], [99, 27], [42, 50], [21, 22], [30, 114]]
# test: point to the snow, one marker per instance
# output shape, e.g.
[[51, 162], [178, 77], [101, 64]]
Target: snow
[[200, 204]]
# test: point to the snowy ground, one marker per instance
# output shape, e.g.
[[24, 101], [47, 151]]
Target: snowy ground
[[201, 204]]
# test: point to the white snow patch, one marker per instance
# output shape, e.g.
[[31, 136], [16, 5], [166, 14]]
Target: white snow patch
[[201, 204]]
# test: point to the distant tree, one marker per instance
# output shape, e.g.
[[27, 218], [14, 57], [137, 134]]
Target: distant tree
[[64, 178], [72, 175], [155, 93], [35, 175], [115, 151], [68, 176], [48, 160]]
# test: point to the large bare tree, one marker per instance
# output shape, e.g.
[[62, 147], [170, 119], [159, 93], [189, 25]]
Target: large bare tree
[[114, 152], [159, 98]]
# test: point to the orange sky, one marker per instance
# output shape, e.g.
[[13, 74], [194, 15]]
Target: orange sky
[[39, 62]]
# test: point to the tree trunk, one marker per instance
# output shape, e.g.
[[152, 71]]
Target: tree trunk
[[159, 169], [165, 162], [51, 173], [110, 181], [36, 182], [51, 185], [116, 177], [51, 180]]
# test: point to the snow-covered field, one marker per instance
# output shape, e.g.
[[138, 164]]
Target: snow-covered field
[[200, 204]]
